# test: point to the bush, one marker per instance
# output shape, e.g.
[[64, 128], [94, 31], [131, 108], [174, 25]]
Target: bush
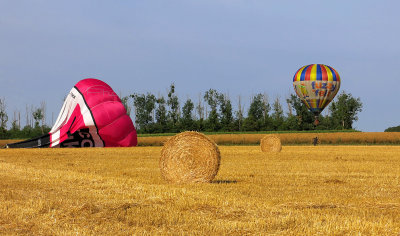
[[393, 129]]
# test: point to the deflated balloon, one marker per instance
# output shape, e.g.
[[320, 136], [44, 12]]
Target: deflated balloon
[[316, 85], [92, 116]]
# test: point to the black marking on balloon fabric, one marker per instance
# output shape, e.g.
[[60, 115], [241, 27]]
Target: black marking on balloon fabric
[[94, 121], [81, 138]]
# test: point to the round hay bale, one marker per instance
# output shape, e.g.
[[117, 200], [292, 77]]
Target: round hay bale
[[271, 143], [189, 157]]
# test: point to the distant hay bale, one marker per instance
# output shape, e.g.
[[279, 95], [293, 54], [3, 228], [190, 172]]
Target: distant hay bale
[[189, 157], [271, 143]]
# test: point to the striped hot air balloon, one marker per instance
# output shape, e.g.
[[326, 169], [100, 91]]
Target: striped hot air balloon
[[316, 85]]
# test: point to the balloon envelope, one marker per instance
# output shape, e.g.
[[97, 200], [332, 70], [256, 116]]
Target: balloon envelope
[[316, 85], [93, 116]]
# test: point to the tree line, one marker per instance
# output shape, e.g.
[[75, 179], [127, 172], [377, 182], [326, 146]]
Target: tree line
[[393, 129], [214, 112], [35, 124]]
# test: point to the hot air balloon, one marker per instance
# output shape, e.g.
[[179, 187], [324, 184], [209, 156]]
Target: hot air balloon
[[92, 116], [316, 85]]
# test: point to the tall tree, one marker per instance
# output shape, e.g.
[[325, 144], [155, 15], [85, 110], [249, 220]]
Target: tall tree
[[254, 119], [144, 105], [3, 118], [267, 123], [277, 115], [225, 107], [344, 110], [291, 122], [200, 114], [200, 109], [15, 127], [173, 103], [43, 120], [38, 116], [161, 116], [187, 116], [256, 109], [28, 116], [304, 118], [211, 97], [125, 102], [239, 115], [15, 124]]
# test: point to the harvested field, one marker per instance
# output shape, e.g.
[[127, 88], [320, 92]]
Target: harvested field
[[303, 190], [339, 138], [345, 138]]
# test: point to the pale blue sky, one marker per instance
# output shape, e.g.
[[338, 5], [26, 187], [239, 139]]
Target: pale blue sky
[[239, 47]]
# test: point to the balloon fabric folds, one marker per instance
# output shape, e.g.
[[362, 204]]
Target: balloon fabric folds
[[92, 116], [316, 85]]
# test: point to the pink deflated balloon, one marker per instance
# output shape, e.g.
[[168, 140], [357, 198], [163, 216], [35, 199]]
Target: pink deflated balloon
[[93, 116]]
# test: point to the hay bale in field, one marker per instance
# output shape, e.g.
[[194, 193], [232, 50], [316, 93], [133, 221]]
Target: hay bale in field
[[189, 157], [271, 143]]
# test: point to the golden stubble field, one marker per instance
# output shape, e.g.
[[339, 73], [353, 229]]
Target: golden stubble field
[[340, 138], [304, 190]]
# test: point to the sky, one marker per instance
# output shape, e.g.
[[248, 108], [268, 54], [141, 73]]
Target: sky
[[238, 47]]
